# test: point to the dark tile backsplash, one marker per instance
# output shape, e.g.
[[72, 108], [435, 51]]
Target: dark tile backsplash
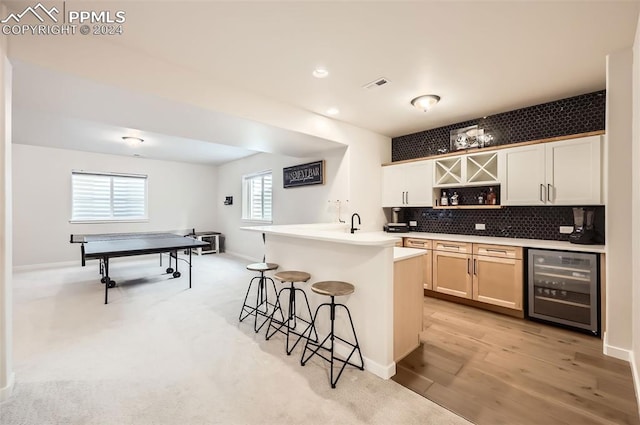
[[509, 222], [574, 115]]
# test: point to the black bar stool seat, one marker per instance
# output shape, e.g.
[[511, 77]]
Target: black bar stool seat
[[262, 304], [332, 288], [289, 326]]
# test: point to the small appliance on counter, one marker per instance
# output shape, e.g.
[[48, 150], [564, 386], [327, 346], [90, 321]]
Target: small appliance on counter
[[395, 226], [583, 232]]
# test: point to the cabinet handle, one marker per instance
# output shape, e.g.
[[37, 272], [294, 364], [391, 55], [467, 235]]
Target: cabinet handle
[[475, 267], [403, 198], [468, 265], [452, 246], [407, 198], [549, 192], [497, 250], [541, 190]]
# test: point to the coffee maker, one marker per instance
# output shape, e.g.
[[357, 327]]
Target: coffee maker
[[395, 226], [583, 232]]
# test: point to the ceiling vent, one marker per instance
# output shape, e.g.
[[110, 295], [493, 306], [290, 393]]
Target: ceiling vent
[[376, 83]]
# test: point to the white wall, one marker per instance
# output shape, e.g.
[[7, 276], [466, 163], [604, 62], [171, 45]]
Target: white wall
[[617, 335], [305, 204], [635, 213], [353, 177], [6, 340], [181, 196]]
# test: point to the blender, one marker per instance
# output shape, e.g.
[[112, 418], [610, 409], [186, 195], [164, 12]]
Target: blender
[[583, 232]]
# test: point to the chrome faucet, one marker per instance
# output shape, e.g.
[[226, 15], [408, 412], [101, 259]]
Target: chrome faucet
[[353, 229]]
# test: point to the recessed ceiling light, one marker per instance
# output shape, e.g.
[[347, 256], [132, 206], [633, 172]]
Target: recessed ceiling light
[[333, 111], [132, 139], [320, 73]]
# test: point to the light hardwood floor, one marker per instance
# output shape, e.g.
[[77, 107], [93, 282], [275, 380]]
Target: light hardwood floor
[[493, 369]]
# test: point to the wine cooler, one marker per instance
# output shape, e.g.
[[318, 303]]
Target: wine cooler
[[564, 288]]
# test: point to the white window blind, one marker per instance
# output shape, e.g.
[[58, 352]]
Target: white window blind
[[257, 196], [108, 197]]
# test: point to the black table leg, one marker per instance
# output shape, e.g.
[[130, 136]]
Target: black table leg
[[189, 268], [107, 280]]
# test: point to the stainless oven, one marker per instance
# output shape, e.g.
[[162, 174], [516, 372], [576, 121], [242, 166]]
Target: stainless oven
[[563, 287]]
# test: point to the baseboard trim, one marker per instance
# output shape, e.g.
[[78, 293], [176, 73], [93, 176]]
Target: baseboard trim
[[636, 377], [382, 371], [40, 266], [7, 391], [613, 351], [244, 257]]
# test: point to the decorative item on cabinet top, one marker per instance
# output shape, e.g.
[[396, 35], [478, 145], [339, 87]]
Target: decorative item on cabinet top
[[469, 137]]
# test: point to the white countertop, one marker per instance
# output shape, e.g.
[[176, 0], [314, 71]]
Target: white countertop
[[339, 232], [402, 253], [330, 232]]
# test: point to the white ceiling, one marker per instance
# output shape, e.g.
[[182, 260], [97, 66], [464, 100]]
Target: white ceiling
[[481, 57]]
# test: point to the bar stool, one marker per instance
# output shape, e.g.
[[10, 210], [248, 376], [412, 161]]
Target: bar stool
[[261, 295], [333, 289], [290, 324]]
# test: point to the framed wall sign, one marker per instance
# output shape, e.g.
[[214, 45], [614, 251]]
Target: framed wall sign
[[303, 174]]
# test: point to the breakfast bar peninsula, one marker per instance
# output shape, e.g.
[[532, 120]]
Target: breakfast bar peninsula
[[365, 259]]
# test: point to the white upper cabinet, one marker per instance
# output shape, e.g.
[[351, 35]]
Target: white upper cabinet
[[574, 171], [467, 170], [558, 173], [524, 176], [407, 185]]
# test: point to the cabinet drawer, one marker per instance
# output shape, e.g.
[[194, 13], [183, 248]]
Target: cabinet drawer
[[460, 247], [418, 243], [502, 251]]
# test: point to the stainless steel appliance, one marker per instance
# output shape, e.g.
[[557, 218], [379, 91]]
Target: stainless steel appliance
[[395, 226], [564, 288]]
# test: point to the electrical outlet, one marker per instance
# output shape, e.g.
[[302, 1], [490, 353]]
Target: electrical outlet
[[565, 230], [480, 226]]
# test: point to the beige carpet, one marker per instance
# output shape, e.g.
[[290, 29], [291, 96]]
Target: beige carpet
[[161, 353]]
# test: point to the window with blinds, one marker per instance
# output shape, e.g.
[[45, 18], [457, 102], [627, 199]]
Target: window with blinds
[[108, 197], [257, 197]]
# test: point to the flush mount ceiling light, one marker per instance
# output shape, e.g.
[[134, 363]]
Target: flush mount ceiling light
[[320, 73], [424, 103], [333, 111], [132, 140]]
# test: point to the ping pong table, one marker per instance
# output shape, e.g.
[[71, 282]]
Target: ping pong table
[[103, 247]]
